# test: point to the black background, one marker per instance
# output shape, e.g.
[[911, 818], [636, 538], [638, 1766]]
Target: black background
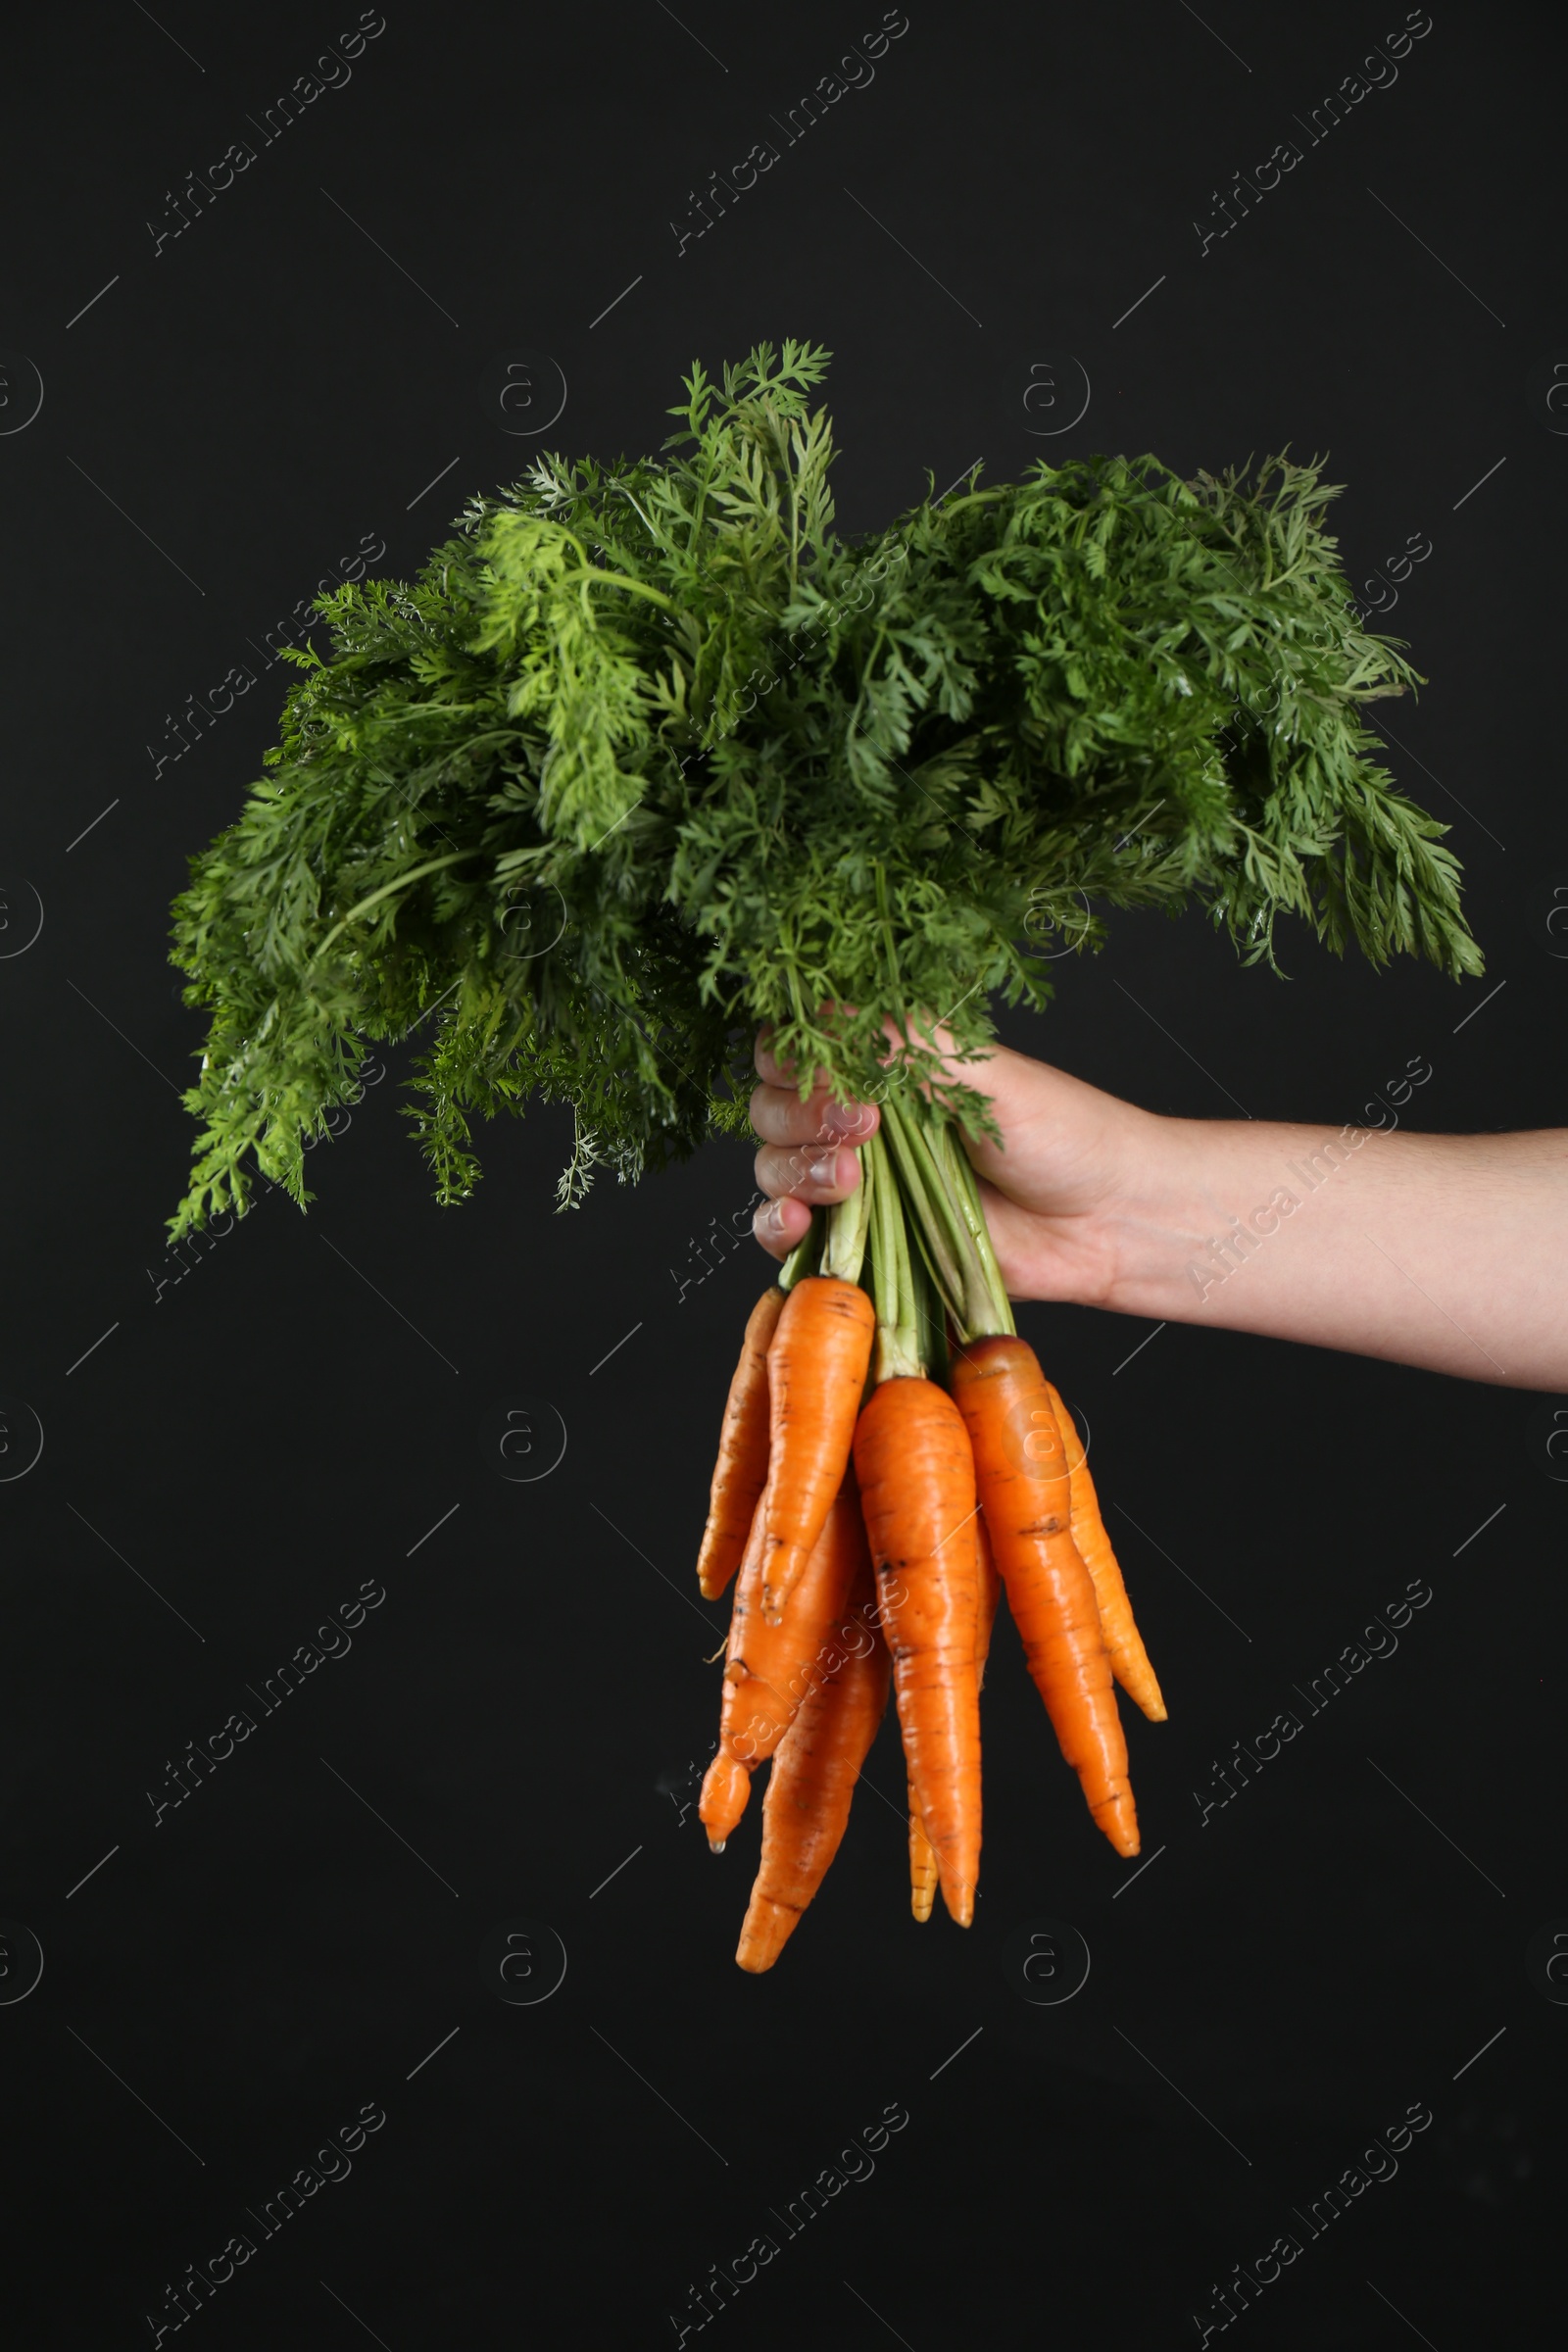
[[291, 1409]]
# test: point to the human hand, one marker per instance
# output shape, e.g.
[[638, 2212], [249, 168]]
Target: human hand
[[1058, 1189], [807, 1157], [1092, 1200]]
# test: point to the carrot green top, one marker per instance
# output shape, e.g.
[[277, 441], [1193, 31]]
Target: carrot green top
[[648, 752]]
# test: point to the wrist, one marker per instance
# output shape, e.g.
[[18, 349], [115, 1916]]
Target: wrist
[[1165, 1224], [1125, 1218], [1207, 1194]]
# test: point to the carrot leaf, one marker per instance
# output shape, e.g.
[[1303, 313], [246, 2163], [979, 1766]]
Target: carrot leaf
[[648, 753]]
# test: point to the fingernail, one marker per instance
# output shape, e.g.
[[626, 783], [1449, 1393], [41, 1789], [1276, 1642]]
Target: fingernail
[[825, 1169]]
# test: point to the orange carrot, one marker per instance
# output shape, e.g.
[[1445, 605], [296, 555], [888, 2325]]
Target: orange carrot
[[816, 1369], [989, 1595], [1025, 1489], [814, 1776], [916, 1480], [771, 1667], [988, 1588], [1129, 1660], [741, 1471], [922, 1866]]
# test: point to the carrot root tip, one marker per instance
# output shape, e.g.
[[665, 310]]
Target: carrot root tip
[[726, 1785], [717, 1845], [766, 1929]]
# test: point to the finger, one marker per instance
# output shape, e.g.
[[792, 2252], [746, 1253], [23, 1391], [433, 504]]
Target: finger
[[779, 1116], [780, 1226], [769, 1068], [774, 1072], [811, 1172], [938, 1039]]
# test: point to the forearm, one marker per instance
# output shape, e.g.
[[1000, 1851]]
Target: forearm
[[1445, 1251]]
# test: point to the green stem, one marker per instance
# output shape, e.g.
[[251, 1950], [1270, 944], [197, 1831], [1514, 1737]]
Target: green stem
[[932, 1319], [966, 1192], [867, 667], [803, 1258], [939, 1213], [620, 580], [937, 1227], [847, 1227], [972, 498], [897, 1333], [431, 865], [884, 1278], [890, 941]]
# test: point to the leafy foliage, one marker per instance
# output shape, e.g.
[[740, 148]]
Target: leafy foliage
[[649, 754]]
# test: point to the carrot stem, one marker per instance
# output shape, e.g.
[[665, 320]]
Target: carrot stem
[[997, 1319], [416, 873], [930, 1309], [937, 1227], [848, 1226], [803, 1258], [945, 1214], [898, 1331]]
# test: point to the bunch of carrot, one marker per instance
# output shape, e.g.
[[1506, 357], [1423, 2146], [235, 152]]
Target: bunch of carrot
[[872, 1516]]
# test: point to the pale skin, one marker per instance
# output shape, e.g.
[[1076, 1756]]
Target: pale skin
[[1445, 1251]]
